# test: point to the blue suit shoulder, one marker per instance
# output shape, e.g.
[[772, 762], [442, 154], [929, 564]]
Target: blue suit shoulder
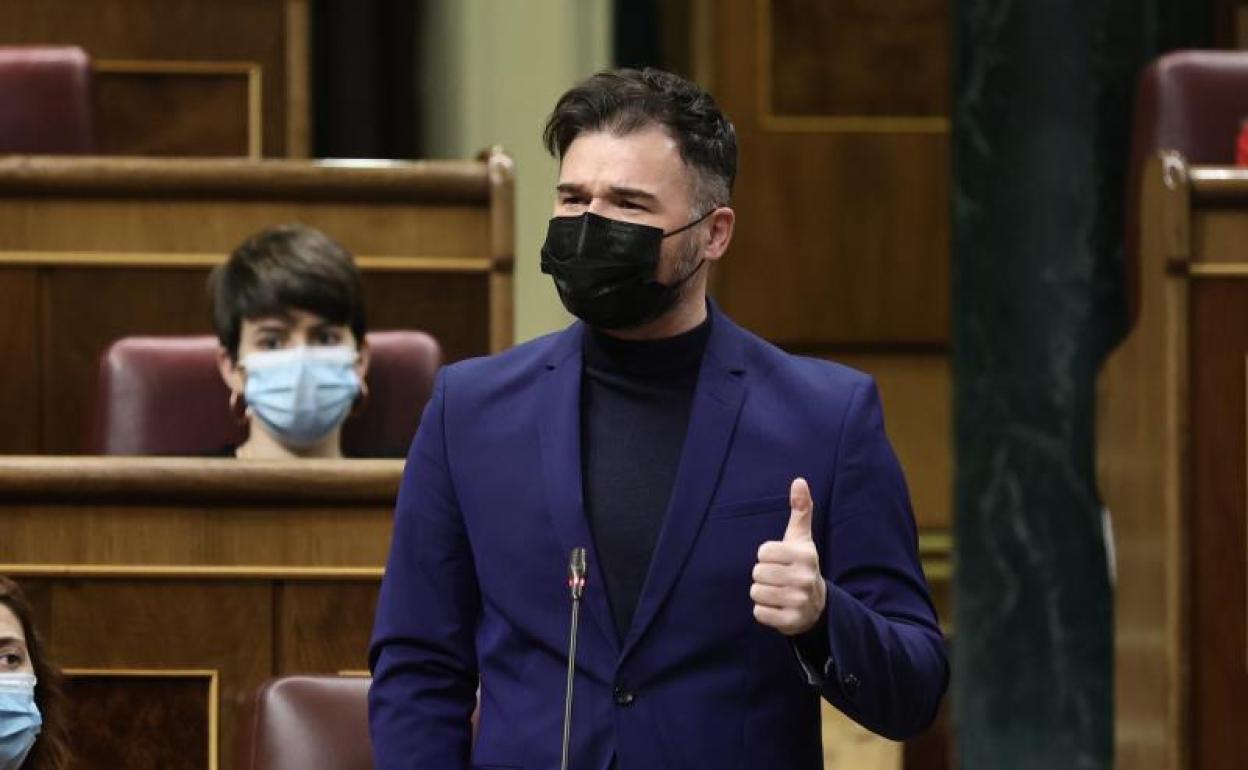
[[806, 375], [501, 374]]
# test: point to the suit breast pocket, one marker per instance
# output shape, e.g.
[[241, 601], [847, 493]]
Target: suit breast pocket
[[755, 507]]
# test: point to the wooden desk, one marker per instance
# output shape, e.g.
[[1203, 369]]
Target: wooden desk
[[93, 249], [171, 588], [1172, 455]]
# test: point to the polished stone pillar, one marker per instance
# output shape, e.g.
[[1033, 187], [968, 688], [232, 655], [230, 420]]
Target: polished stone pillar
[[1040, 130]]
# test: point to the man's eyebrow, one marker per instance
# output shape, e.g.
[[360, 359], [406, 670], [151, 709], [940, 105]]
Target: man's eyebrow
[[616, 190], [633, 192]]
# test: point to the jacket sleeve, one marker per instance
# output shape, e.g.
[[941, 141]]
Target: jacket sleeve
[[423, 654], [887, 665]]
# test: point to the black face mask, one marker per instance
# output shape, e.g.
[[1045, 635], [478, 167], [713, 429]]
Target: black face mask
[[604, 269]]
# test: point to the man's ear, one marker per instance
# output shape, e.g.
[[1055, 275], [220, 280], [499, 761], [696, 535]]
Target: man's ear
[[719, 235], [229, 369]]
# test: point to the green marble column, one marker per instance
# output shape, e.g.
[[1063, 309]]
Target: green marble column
[[1040, 129]]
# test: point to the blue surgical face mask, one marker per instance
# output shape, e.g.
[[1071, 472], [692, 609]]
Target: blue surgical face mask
[[20, 721], [303, 393]]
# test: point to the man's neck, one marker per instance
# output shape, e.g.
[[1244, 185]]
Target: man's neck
[[688, 313]]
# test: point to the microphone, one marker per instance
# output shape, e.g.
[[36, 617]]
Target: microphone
[[576, 586]]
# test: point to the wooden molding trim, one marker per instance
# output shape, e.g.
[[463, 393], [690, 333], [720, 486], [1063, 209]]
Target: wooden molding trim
[[214, 693], [110, 259], [1218, 182], [199, 480], [502, 175], [298, 87], [936, 555], [357, 181], [190, 572], [173, 67], [1217, 269]]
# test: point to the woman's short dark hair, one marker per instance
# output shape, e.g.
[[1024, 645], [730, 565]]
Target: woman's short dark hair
[[623, 101], [51, 749], [285, 267]]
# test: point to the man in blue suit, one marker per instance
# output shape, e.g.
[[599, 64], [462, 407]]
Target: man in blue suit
[[751, 545]]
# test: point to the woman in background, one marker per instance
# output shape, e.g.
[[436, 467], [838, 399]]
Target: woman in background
[[32, 733], [289, 314]]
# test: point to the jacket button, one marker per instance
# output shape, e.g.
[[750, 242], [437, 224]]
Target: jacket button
[[850, 684], [623, 696]]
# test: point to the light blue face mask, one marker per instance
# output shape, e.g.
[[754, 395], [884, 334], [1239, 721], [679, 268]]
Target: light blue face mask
[[303, 393], [20, 721]]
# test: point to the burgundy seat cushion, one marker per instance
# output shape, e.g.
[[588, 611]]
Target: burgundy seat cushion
[[164, 395], [306, 723], [45, 100], [1190, 101]]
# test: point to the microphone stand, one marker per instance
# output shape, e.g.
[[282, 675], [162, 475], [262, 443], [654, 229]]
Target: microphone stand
[[576, 585]]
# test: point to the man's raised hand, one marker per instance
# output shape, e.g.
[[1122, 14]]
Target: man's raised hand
[[788, 591]]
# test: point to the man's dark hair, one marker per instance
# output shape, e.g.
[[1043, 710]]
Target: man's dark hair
[[285, 267], [623, 101]]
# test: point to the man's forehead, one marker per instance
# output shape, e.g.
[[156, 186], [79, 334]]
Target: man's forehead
[[647, 159]]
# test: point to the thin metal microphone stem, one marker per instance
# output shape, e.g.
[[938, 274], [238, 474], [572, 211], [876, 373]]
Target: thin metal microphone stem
[[567, 696], [576, 585]]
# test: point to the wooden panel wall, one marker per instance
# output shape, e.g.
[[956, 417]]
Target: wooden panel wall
[[96, 249], [116, 712], [843, 192], [150, 99], [172, 588], [843, 199], [178, 109]]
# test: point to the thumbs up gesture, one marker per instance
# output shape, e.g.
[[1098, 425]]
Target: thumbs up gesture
[[788, 591]]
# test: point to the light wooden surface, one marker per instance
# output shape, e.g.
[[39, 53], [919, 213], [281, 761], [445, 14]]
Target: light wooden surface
[[849, 746], [1142, 418], [1171, 449], [93, 249]]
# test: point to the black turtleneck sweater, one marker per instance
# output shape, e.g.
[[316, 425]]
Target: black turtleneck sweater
[[635, 402]]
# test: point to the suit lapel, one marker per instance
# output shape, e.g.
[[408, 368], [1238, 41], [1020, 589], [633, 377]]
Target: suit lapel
[[560, 430], [717, 401]]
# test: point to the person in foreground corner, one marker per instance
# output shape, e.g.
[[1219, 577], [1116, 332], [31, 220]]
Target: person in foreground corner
[[750, 540]]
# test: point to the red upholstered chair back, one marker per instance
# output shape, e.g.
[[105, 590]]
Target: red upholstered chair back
[[45, 100], [163, 395], [1193, 102], [306, 723], [1190, 101]]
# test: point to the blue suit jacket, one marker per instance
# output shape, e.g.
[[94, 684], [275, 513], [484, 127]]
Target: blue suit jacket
[[476, 587]]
